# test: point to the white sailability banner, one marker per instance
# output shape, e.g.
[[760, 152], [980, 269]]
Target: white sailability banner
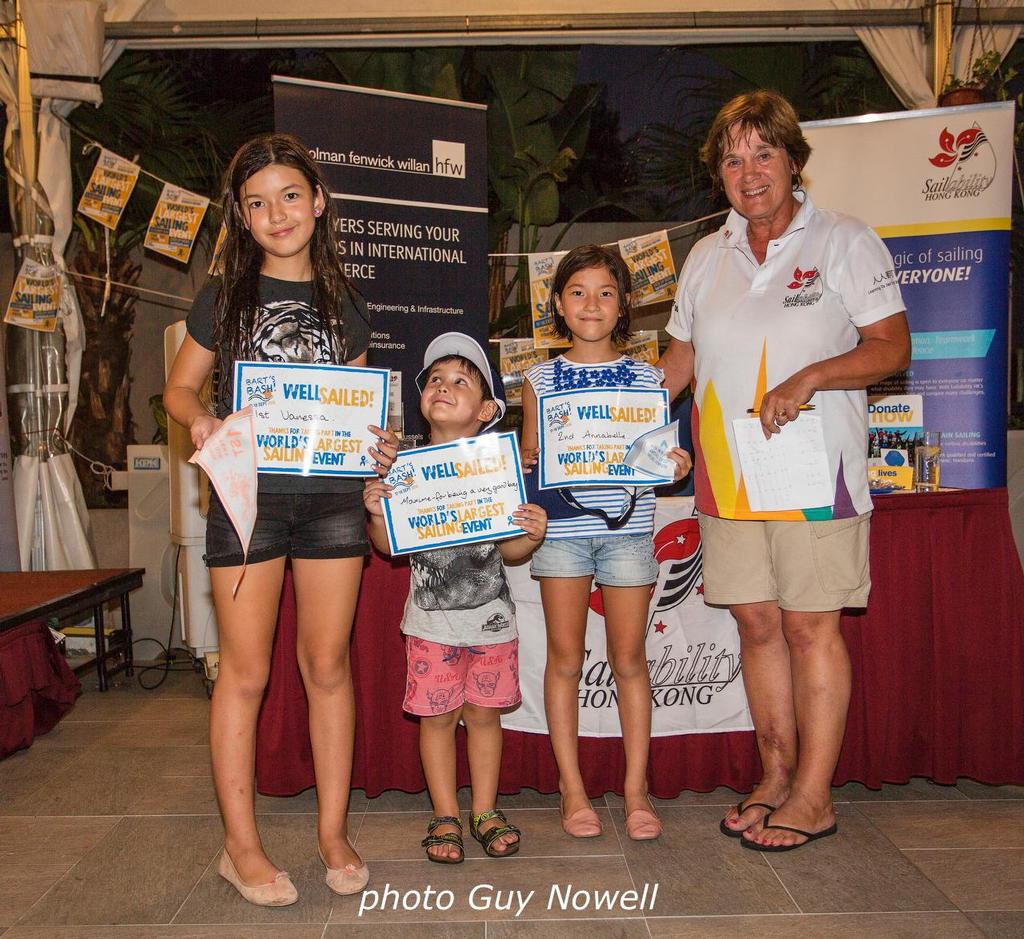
[[693, 650], [914, 167], [936, 185]]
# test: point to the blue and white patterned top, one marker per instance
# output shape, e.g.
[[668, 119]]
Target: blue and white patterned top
[[559, 374]]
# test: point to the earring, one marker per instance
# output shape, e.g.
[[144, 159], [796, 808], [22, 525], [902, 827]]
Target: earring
[[317, 212]]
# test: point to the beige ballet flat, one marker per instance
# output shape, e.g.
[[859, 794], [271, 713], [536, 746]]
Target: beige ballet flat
[[344, 880], [279, 892], [642, 825], [583, 823]]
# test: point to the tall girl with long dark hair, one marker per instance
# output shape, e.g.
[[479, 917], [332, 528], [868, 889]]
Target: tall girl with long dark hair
[[283, 297]]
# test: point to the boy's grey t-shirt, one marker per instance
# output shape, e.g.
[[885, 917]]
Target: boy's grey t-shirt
[[459, 596]]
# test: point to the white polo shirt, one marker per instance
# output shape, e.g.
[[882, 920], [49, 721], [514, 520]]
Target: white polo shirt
[[753, 325]]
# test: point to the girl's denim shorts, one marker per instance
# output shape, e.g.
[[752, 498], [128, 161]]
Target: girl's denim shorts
[[297, 525], [612, 560]]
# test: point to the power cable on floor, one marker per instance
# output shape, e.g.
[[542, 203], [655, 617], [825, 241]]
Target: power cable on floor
[[167, 666]]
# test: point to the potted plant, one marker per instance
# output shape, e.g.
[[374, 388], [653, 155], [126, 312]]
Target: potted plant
[[978, 86]]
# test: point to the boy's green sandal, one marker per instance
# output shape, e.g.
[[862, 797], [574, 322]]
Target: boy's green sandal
[[452, 838], [487, 838]]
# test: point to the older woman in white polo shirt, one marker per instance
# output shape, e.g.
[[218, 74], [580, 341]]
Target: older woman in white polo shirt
[[786, 305]]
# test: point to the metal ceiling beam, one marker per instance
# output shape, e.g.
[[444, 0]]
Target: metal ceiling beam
[[264, 30]]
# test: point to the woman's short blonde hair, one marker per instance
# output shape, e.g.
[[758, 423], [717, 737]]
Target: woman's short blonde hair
[[775, 121]]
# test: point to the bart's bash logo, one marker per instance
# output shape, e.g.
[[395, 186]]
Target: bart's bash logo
[[260, 389], [402, 478], [807, 285], [558, 416], [971, 162]]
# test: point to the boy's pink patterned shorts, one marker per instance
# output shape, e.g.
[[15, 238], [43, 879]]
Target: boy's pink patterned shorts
[[440, 678]]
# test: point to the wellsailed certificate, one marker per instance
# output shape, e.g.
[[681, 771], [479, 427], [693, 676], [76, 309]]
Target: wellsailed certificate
[[311, 420], [454, 493], [586, 434]]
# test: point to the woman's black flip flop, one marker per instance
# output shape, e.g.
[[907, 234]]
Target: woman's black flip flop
[[778, 848], [740, 809]]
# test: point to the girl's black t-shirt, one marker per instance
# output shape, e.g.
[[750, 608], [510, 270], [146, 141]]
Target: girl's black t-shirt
[[287, 329]]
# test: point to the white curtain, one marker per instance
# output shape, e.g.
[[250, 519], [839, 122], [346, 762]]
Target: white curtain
[[970, 42], [67, 533], [54, 176], [8, 531], [50, 509], [902, 54]]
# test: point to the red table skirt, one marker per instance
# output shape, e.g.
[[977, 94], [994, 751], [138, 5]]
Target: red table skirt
[[938, 675], [36, 686]]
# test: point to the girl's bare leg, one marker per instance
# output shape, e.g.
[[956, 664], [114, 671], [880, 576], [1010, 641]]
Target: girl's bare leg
[[325, 594], [625, 618], [565, 601], [246, 624]]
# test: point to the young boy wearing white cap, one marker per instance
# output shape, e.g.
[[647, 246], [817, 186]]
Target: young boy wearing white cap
[[462, 650]]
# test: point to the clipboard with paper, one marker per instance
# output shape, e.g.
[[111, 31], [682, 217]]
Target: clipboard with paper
[[788, 471]]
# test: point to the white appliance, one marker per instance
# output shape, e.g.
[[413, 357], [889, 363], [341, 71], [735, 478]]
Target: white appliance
[[149, 547], [189, 502]]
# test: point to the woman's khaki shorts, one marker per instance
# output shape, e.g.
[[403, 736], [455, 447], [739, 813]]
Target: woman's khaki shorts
[[806, 567]]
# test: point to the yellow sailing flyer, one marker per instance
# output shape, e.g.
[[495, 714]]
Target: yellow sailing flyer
[[311, 420], [542, 272], [109, 188], [175, 222], [643, 347], [454, 493], [586, 434], [649, 259], [516, 356], [35, 298]]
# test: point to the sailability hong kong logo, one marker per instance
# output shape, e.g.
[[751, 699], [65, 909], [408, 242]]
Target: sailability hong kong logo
[[970, 161], [806, 286]]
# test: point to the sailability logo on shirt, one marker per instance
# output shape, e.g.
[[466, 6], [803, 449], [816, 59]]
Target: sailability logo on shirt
[[971, 162], [806, 287]]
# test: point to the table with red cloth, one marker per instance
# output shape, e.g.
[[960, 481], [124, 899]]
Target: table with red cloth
[[36, 685], [938, 675], [37, 688]]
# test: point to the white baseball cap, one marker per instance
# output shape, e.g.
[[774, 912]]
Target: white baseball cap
[[466, 346]]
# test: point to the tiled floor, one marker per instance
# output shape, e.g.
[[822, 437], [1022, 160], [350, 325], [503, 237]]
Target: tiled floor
[[109, 830]]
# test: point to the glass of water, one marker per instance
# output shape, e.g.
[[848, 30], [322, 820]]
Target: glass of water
[[926, 461]]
